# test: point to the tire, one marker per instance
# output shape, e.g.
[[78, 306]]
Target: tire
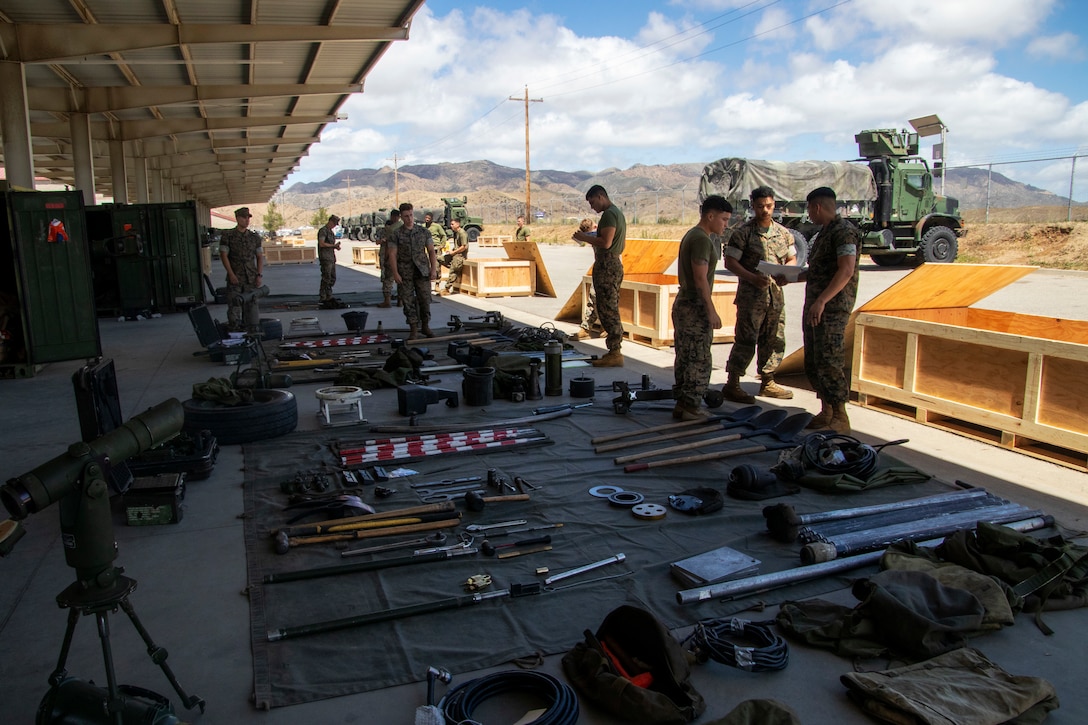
[[473, 234], [888, 260], [271, 414], [939, 246], [800, 246]]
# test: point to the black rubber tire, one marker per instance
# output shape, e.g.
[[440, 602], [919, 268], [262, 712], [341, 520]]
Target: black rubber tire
[[939, 246], [271, 414], [800, 246], [888, 260], [473, 234]]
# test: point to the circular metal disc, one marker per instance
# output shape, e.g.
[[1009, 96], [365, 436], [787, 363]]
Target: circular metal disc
[[649, 511], [604, 491], [626, 498]]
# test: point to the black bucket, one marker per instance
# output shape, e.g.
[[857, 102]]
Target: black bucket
[[355, 320], [477, 386]]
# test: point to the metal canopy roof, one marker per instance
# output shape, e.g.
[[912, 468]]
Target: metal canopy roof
[[223, 97]]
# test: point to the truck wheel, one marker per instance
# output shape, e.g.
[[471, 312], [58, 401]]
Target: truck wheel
[[888, 260], [939, 245], [272, 413], [473, 234], [800, 246]]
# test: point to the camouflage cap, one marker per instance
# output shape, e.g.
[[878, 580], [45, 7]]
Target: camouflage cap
[[242, 211]]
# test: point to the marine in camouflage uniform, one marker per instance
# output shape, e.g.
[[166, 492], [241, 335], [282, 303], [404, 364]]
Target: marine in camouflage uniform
[[457, 256], [761, 314], [694, 317], [417, 266], [242, 254], [384, 235], [326, 257], [825, 344], [608, 245]]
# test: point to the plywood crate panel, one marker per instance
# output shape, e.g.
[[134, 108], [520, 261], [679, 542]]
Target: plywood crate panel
[[1020, 381], [290, 255], [646, 307], [498, 278], [493, 240], [364, 254]]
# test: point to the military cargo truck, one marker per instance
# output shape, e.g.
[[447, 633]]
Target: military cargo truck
[[455, 209], [367, 226], [888, 194]]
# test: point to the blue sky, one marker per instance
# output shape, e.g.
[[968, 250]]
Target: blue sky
[[671, 81]]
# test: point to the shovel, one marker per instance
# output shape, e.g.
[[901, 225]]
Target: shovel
[[786, 433], [736, 417], [763, 423]]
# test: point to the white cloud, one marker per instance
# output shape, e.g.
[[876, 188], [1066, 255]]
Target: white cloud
[[1063, 46], [774, 25]]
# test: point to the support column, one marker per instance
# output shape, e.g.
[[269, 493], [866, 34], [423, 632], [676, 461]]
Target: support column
[[155, 179], [139, 166], [82, 158], [15, 125], [118, 172]]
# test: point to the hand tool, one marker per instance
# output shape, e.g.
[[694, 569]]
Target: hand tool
[[374, 565], [282, 539], [786, 433], [476, 501], [523, 552], [532, 419], [489, 549], [588, 567], [446, 482], [446, 493], [741, 414], [322, 527], [559, 408], [293, 541], [699, 430], [518, 532], [480, 528], [434, 539], [764, 423]]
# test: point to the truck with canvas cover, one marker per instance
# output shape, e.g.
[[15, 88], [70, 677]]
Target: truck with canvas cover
[[888, 193]]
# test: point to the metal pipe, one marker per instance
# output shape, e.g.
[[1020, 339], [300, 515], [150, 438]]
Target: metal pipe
[[766, 582], [302, 574], [588, 567], [844, 526]]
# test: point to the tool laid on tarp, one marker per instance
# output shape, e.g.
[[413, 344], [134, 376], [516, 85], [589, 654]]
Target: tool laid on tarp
[[738, 417], [622, 402], [478, 441], [767, 422], [491, 320]]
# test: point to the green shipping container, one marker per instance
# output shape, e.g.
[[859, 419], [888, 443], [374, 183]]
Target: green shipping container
[[47, 310]]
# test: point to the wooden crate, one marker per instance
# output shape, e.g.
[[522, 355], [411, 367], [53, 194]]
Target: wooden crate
[[290, 255], [498, 278], [367, 254], [493, 240], [1019, 381], [646, 307]]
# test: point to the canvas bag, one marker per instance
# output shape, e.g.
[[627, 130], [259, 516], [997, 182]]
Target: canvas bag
[[635, 636]]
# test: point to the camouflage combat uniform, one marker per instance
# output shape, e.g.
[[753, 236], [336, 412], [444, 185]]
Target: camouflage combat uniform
[[412, 245], [608, 276], [825, 344], [384, 236], [326, 257], [761, 313], [692, 334], [242, 248], [456, 261]]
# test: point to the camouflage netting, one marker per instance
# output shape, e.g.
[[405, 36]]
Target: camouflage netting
[[735, 178]]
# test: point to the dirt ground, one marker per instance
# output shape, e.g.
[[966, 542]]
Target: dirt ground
[[1012, 236]]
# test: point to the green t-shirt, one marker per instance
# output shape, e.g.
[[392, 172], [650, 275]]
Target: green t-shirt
[[438, 234], [698, 246], [522, 234], [613, 217]]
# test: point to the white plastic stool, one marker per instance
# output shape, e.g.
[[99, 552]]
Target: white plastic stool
[[341, 405]]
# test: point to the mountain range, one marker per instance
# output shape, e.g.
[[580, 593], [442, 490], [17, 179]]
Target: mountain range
[[969, 185]]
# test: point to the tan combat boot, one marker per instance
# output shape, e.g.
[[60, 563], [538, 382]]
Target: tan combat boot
[[611, 359], [385, 302], [413, 332], [821, 420], [840, 421], [733, 391], [427, 331], [770, 389], [583, 334]]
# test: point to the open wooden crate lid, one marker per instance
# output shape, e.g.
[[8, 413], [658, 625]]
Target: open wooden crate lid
[[640, 256], [945, 286]]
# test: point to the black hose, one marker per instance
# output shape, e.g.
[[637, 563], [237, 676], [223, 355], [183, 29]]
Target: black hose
[[711, 640], [835, 454], [460, 702]]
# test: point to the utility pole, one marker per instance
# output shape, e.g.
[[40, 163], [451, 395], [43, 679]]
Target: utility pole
[[396, 181], [528, 195]]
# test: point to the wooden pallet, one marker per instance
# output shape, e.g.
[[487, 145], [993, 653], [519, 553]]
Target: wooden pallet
[[1068, 457]]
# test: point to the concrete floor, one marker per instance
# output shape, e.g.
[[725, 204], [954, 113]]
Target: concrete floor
[[191, 575]]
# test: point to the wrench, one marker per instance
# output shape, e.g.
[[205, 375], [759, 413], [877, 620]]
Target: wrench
[[447, 482], [435, 539], [430, 495], [477, 528]]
